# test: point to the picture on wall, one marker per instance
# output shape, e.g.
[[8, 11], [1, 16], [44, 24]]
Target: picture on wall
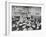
[[26, 18]]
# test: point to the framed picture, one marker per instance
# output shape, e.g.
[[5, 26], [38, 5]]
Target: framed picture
[[23, 17]]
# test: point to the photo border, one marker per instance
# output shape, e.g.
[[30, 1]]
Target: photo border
[[7, 14]]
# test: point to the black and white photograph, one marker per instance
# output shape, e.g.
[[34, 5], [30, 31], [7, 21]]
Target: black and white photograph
[[26, 18], [22, 18]]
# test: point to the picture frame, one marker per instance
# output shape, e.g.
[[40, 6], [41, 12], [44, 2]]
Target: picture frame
[[8, 15]]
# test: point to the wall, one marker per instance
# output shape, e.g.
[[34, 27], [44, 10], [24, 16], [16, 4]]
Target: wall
[[21, 34]]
